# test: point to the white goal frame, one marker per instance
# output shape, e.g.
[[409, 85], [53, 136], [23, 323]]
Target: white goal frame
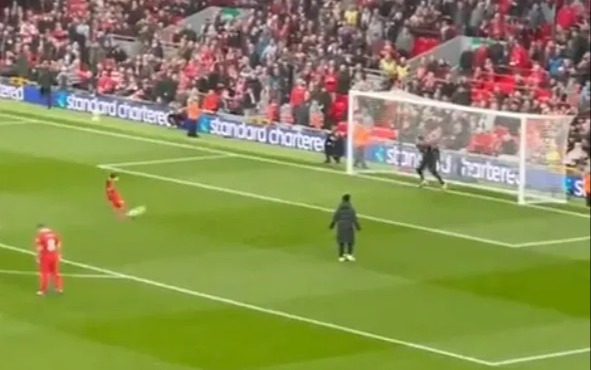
[[521, 161]]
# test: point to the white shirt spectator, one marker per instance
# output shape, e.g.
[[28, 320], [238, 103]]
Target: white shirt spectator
[[575, 155]]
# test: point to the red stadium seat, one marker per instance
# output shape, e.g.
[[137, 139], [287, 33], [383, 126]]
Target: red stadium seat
[[423, 44]]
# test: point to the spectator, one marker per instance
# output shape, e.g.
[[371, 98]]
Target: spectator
[[404, 41], [306, 52]]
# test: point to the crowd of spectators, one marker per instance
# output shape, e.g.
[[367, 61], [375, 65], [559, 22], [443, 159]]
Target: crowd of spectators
[[294, 61], [526, 65], [284, 43]]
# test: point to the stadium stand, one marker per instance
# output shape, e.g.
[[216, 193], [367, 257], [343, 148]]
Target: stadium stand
[[143, 18], [295, 61]]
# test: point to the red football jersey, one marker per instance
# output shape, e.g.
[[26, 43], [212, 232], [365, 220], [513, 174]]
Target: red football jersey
[[110, 189], [47, 242]]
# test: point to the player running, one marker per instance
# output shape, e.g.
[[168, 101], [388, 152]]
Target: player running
[[117, 202], [49, 245], [114, 198]]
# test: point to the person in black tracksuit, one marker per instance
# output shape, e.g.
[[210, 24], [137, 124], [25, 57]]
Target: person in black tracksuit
[[333, 147], [430, 159], [45, 80], [347, 225]]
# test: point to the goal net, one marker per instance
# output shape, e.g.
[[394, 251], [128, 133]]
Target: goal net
[[519, 154]]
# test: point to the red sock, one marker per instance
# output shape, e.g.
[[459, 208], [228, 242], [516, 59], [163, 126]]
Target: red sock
[[58, 282], [44, 280]]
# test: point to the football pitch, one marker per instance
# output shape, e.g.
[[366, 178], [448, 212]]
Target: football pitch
[[233, 266]]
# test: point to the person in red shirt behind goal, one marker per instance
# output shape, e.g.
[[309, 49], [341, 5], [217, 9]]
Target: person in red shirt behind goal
[[49, 245]]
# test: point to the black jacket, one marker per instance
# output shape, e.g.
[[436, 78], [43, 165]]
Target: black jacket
[[334, 145]]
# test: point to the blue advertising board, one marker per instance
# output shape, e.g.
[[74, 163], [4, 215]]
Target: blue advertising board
[[288, 136], [456, 166], [110, 106], [11, 92], [468, 168]]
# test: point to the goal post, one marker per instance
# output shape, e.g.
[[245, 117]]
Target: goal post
[[543, 171], [513, 153]]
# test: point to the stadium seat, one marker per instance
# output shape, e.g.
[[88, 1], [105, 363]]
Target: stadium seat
[[424, 44]]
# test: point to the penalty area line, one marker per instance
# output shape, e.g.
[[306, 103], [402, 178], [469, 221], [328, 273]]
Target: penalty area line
[[78, 276], [552, 242], [168, 160], [546, 356]]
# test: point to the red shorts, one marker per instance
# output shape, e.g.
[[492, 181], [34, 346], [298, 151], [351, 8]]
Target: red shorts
[[49, 264], [117, 203]]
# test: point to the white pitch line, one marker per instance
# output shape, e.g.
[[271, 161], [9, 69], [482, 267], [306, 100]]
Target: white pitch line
[[546, 356], [13, 123], [305, 205], [169, 160], [80, 276], [552, 242], [264, 310], [293, 164]]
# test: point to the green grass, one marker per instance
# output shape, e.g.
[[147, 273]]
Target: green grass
[[233, 266]]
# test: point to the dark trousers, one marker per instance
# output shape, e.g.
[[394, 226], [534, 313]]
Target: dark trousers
[[346, 248], [331, 154], [359, 157], [588, 199], [45, 92], [431, 166], [192, 127]]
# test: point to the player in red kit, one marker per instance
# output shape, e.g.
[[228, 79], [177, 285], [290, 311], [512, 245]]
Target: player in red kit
[[113, 196], [48, 244]]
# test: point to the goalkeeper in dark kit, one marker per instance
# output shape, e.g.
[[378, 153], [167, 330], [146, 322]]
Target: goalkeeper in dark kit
[[430, 158]]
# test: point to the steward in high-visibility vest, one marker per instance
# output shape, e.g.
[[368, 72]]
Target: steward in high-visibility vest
[[361, 136], [193, 115]]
